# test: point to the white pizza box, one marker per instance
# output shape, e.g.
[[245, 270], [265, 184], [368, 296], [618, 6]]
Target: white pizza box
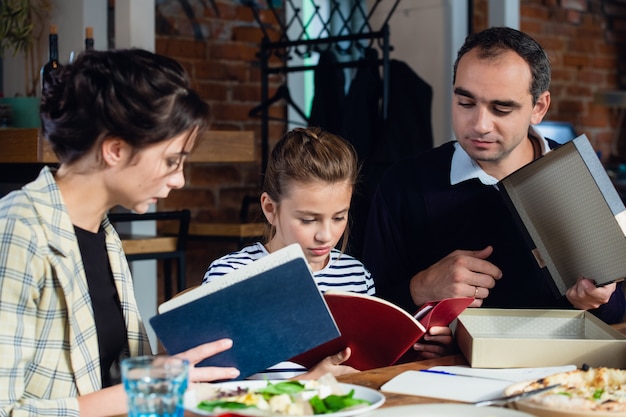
[[509, 338]]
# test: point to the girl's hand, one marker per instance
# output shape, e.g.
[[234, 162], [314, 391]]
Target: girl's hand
[[331, 364]]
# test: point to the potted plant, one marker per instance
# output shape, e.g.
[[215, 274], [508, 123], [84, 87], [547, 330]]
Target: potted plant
[[22, 26]]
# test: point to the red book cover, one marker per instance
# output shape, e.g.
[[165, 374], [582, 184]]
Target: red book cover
[[377, 331]]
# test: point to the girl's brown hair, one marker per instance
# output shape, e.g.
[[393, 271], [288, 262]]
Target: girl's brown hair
[[308, 155]]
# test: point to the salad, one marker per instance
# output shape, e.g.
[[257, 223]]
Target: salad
[[289, 398]]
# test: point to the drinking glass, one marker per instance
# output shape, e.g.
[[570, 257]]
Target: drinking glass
[[155, 385]]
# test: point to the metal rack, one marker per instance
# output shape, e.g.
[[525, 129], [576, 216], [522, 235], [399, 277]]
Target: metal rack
[[353, 34]]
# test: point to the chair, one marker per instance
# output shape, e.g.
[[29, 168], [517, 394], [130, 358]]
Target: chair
[[560, 132], [166, 247]]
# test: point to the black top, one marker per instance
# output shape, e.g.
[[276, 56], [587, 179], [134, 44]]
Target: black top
[[110, 324], [417, 218]]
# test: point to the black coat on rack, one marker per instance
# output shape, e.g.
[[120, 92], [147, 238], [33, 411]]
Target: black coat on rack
[[328, 100]]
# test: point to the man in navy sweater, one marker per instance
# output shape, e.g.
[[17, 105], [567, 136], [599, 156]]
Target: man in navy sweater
[[438, 227]]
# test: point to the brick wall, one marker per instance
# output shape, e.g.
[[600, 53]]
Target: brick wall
[[218, 49], [582, 41]]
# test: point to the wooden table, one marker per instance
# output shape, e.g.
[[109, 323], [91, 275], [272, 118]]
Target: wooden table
[[376, 378]]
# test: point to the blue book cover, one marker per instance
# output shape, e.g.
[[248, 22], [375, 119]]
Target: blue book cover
[[271, 309]]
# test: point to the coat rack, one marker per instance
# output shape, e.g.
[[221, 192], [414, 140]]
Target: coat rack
[[353, 34]]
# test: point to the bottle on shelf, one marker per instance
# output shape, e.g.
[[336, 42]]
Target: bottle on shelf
[[88, 38], [53, 63]]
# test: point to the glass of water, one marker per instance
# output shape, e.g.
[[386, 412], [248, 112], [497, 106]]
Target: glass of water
[[155, 385]]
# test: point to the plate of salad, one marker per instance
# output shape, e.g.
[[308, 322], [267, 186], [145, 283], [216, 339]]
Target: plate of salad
[[283, 398]]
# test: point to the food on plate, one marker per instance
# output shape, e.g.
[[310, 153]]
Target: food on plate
[[289, 398], [585, 389]]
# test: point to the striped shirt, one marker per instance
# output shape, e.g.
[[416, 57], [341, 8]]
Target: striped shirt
[[343, 273]]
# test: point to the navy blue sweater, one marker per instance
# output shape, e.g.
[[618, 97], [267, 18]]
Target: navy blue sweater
[[417, 218]]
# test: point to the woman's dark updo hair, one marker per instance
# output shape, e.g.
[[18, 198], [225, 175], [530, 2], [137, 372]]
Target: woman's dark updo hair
[[132, 94]]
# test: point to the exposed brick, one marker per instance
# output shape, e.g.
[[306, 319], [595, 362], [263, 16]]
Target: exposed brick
[[533, 11], [237, 111], [233, 51], [606, 62], [233, 196], [551, 43], [226, 11], [576, 60], [248, 34], [181, 48], [214, 175], [579, 5], [574, 17], [592, 77], [224, 71], [560, 74], [578, 90], [246, 92], [244, 14], [594, 121], [583, 45], [530, 26], [570, 106], [187, 198], [212, 91], [268, 17]]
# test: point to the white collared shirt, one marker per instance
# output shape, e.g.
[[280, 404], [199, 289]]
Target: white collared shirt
[[465, 168]]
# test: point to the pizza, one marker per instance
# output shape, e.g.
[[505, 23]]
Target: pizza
[[585, 389]]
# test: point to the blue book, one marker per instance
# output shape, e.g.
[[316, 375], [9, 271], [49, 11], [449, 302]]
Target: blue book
[[271, 309]]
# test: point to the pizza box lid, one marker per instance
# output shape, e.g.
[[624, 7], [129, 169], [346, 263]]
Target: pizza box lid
[[508, 338]]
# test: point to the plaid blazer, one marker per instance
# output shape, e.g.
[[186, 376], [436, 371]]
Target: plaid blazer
[[48, 340]]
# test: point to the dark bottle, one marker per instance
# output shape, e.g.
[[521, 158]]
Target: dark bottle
[[88, 38], [53, 61]]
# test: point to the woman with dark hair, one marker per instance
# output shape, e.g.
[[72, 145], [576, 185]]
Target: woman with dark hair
[[122, 124]]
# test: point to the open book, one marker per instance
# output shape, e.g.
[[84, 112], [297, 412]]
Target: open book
[[570, 214], [270, 308], [378, 332]]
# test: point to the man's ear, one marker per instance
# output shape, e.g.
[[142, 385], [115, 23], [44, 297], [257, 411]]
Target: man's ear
[[269, 207], [541, 108], [113, 151]]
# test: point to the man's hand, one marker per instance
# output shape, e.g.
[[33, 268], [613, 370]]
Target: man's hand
[[584, 295], [436, 343], [460, 274]]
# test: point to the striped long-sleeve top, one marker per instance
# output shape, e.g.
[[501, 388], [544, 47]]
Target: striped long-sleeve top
[[343, 272]]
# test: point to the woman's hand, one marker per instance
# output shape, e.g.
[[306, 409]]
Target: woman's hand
[[208, 373], [435, 343], [331, 364]]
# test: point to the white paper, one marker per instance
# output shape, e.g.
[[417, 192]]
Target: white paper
[[506, 374], [465, 384]]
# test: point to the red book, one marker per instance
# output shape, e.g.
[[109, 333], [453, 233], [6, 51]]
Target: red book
[[378, 332]]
